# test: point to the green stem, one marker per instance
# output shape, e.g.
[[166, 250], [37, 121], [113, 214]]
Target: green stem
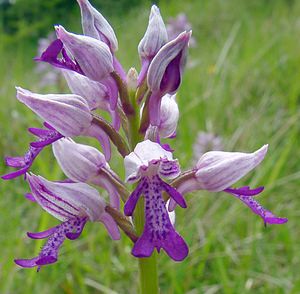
[[147, 266]]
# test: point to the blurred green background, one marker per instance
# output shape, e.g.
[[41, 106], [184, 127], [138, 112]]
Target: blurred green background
[[242, 83]]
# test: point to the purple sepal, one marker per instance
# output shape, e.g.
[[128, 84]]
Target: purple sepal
[[248, 199], [114, 198], [154, 108], [111, 226], [50, 55]]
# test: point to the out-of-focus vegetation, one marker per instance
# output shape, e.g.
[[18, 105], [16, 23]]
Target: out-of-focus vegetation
[[22, 19], [242, 83]]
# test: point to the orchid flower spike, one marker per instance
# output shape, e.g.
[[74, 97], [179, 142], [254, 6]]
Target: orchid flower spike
[[165, 72], [83, 163], [155, 37], [72, 203], [147, 164], [216, 171]]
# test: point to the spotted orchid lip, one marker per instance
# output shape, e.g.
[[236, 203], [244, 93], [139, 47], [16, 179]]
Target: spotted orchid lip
[[158, 231]]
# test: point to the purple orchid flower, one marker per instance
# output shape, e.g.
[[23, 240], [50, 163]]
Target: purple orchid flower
[[96, 26], [98, 82], [165, 71], [177, 25], [72, 203], [83, 163], [206, 141], [89, 57], [147, 164], [65, 116], [155, 37], [216, 171]]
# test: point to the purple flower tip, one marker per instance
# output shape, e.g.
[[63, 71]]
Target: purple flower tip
[[70, 229], [246, 195], [45, 137]]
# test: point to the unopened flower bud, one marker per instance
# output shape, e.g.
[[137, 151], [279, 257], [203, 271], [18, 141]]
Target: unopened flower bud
[[132, 76], [155, 36], [96, 26]]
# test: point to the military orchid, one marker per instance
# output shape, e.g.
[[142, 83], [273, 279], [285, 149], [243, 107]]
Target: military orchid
[[142, 122]]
